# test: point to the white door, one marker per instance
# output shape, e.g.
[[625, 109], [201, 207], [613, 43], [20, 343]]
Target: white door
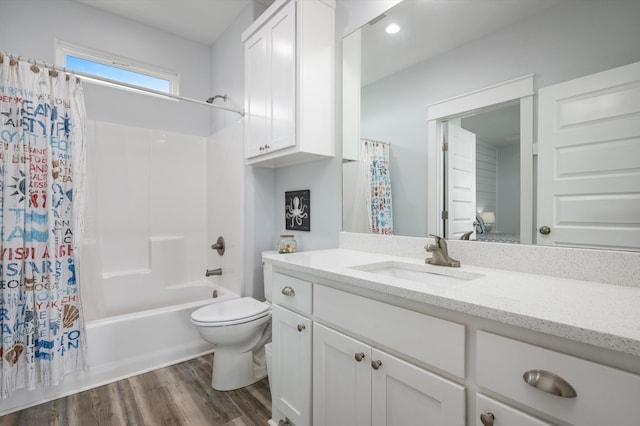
[[403, 394], [589, 161], [291, 366], [341, 379], [461, 181]]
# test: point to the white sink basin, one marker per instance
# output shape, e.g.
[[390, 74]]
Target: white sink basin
[[418, 273]]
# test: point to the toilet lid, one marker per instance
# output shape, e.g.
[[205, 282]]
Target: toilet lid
[[234, 310]]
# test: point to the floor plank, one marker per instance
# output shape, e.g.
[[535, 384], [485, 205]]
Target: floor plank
[[177, 395]]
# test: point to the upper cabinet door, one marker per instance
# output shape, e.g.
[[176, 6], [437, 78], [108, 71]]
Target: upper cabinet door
[[282, 36], [257, 97], [589, 161]]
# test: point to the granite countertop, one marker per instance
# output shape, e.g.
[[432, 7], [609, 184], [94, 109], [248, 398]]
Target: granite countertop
[[603, 315]]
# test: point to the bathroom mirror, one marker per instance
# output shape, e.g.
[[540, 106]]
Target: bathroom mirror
[[445, 50]]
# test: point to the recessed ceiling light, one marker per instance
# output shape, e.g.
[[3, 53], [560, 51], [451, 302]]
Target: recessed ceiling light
[[392, 28]]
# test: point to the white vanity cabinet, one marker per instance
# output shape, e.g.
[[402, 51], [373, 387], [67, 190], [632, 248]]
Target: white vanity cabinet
[[574, 390], [357, 384], [365, 358], [291, 336], [289, 57]]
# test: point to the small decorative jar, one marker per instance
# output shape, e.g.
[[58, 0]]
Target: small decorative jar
[[287, 244]]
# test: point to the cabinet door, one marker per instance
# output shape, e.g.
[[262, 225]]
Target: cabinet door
[[282, 57], [291, 366], [341, 379], [257, 86], [403, 394]]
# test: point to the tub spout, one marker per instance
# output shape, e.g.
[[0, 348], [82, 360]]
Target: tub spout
[[213, 272]]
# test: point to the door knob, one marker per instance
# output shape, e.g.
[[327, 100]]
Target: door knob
[[359, 356], [545, 230], [487, 418]]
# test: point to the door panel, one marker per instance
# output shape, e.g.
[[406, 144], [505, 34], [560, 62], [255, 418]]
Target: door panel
[[341, 383], [461, 181], [589, 161], [291, 365], [403, 394]]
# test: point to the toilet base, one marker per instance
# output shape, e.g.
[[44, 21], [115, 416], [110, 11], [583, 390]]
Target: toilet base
[[233, 370]]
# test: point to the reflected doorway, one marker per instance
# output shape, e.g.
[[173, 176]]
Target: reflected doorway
[[492, 211]]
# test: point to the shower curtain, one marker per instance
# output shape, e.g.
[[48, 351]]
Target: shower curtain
[[374, 163], [42, 137]]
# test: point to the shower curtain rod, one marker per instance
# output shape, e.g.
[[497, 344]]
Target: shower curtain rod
[[375, 141], [120, 83]]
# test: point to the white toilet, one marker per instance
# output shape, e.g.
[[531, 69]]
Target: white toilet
[[239, 328]]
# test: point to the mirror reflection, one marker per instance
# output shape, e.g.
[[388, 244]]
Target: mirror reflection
[[443, 50]]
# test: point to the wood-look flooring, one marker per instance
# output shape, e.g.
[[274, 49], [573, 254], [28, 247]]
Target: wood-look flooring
[[180, 394]]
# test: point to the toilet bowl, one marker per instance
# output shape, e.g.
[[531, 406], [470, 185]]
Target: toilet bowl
[[239, 328]]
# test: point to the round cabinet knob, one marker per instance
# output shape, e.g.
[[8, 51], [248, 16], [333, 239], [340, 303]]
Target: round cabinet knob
[[376, 364], [301, 327], [487, 418], [359, 356], [545, 230]]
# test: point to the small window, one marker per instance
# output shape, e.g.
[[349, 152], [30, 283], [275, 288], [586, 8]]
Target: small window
[[115, 68]]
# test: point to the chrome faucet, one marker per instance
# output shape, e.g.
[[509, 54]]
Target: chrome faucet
[[213, 272], [440, 253]]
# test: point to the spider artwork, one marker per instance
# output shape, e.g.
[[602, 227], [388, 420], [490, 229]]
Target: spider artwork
[[297, 211]]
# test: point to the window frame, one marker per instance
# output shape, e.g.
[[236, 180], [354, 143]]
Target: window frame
[[64, 49]]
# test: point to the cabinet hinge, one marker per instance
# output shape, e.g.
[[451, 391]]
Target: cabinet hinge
[[445, 214], [445, 146]]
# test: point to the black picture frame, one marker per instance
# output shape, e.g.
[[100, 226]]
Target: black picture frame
[[297, 210]]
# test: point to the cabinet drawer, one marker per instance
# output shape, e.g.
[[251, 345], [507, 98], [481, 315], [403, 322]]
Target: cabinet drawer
[[604, 395], [503, 414], [292, 292], [431, 340]]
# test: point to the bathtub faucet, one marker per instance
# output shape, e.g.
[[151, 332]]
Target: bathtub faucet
[[213, 272]]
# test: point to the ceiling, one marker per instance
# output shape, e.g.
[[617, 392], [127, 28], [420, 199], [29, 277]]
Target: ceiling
[[202, 21], [432, 27]]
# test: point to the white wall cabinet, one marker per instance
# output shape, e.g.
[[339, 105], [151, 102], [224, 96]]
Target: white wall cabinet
[[357, 384], [289, 57]]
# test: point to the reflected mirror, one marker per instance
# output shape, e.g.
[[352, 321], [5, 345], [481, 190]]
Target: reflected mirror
[[583, 51]]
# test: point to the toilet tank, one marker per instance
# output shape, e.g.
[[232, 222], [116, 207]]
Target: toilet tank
[[267, 273]]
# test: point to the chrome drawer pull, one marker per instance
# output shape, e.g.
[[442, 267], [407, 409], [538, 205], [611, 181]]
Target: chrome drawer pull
[[359, 356], [288, 291], [550, 383], [376, 364]]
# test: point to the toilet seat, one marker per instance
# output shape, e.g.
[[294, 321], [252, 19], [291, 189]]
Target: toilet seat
[[230, 312]]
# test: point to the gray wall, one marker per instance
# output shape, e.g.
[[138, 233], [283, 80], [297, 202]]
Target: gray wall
[[486, 177], [563, 43], [508, 189]]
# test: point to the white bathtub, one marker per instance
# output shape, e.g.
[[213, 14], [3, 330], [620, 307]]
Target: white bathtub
[[125, 345]]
